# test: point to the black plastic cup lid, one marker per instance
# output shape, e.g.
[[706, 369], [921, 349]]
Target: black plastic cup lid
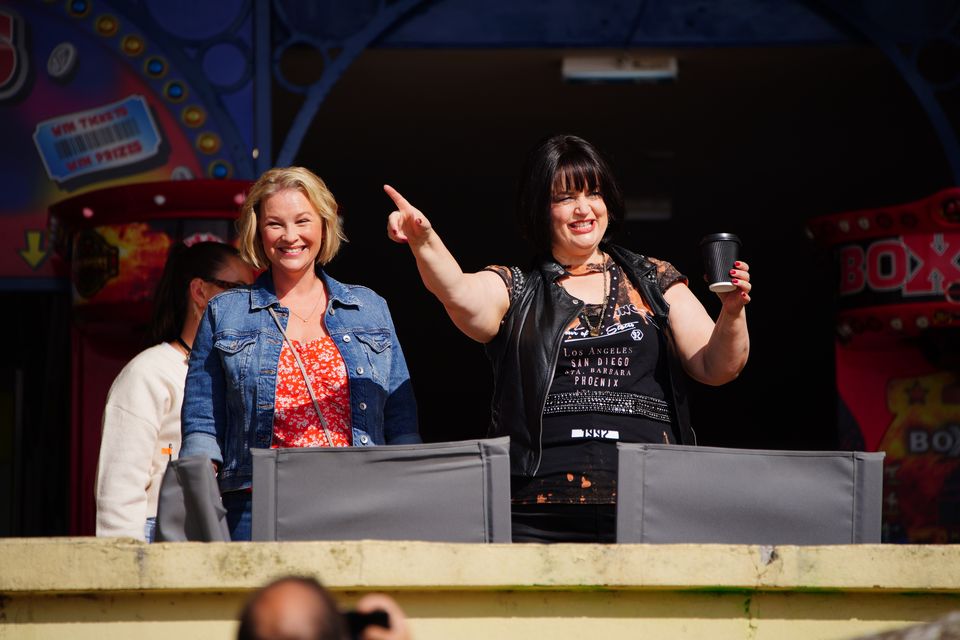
[[720, 237]]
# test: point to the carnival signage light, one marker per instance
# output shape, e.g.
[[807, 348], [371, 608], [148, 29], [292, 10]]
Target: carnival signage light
[[914, 265]]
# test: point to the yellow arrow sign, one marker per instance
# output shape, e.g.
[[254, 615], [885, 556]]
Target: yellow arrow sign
[[33, 254]]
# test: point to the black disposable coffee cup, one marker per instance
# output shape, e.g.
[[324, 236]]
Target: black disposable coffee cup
[[720, 251]]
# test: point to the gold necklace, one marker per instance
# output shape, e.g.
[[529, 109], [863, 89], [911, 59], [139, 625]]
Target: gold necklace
[[595, 330], [309, 315]]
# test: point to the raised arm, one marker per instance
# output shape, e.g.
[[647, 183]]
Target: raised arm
[[476, 302], [712, 352]]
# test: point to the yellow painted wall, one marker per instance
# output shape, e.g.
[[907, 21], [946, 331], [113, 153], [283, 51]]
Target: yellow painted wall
[[105, 589]]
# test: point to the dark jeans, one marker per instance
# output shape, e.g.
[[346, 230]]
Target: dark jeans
[[564, 523], [150, 529], [239, 506]]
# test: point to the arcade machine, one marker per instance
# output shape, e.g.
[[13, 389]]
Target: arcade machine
[[898, 355], [114, 243]]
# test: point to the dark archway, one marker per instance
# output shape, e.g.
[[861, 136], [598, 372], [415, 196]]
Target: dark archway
[[754, 138]]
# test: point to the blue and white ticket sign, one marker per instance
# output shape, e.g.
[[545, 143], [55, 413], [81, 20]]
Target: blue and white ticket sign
[[100, 139]]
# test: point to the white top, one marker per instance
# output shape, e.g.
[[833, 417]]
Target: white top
[[141, 418]]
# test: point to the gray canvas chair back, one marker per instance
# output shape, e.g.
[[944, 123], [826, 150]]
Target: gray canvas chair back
[[674, 494], [189, 507], [448, 492]]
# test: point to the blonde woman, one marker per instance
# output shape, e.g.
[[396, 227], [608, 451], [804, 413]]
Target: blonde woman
[[297, 360]]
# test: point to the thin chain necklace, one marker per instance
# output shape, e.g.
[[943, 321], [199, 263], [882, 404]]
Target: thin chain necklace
[[595, 330], [587, 269], [309, 315]]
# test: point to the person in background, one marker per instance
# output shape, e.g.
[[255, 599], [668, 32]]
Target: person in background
[[298, 360], [299, 608], [141, 419], [589, 347]]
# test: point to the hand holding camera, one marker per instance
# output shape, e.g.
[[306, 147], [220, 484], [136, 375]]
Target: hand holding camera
[[377, 617]]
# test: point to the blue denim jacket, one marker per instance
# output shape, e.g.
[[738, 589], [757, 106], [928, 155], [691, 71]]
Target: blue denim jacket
[[232, 378]]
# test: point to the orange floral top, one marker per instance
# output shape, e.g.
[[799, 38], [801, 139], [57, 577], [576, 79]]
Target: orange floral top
[[295, 422]]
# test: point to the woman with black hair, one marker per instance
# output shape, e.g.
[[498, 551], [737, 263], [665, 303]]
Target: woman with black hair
[[589, 347], [141, 419]]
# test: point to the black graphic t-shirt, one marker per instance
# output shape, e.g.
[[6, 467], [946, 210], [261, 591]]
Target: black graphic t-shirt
[[606, 388]]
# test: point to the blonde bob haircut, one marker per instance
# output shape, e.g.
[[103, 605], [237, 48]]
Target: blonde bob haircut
[[316, 193]]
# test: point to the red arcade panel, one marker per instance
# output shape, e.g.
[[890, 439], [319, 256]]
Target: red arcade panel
[[114, 243], [897, 355]]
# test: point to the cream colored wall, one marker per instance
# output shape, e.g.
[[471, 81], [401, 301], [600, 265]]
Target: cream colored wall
[[104, 589]]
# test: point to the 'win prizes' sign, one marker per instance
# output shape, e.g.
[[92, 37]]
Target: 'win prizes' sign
[[100, 139]]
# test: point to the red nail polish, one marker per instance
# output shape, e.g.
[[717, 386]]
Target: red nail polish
[[743, 294], [734, 280], [733, 272], [737, 263]]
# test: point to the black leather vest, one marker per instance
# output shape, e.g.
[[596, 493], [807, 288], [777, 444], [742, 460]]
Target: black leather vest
[[524, 354]]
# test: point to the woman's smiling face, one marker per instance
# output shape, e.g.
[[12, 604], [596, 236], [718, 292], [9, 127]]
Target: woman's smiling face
[[291, 231], [578, 219]]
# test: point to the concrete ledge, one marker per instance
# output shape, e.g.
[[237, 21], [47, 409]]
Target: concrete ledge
[[72, 587], [85, 564]]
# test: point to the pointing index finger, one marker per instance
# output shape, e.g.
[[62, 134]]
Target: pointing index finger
[[398, 199]]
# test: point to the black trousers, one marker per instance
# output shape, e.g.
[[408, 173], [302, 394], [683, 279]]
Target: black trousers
[[564, 523]]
